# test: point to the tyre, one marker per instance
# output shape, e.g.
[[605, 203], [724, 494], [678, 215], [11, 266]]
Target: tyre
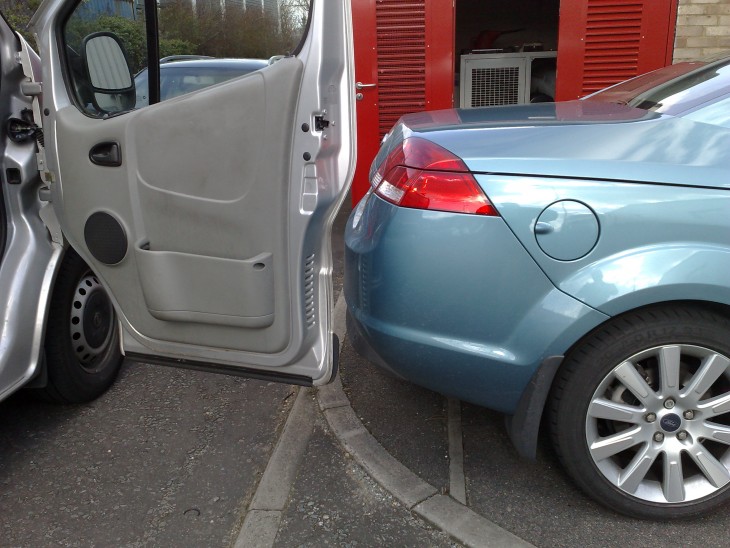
[[639, 413], [82, 336]]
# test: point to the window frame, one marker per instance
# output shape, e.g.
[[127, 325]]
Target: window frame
[[152, 35], [153, 57]]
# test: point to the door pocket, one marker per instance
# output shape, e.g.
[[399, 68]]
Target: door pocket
[[181, 287]]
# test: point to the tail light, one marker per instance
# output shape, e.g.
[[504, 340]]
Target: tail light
[[420, 174]]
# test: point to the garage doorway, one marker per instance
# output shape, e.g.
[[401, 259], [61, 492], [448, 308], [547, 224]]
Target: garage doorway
[[408, 55], [506, 51]]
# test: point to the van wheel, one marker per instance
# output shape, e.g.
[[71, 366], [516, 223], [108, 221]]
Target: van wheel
[[82, 336]]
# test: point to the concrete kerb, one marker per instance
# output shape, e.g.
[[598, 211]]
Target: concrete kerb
[[419, 496], [261, 524]]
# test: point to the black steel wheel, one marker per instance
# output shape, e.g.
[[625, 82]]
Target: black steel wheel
[[82, 336]]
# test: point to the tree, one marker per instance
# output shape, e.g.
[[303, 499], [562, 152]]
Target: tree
[[293, 16], [236, 33], [18, 14]]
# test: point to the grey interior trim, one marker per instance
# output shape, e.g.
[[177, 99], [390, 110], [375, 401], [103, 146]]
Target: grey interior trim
[[199, 196], [186, 288]]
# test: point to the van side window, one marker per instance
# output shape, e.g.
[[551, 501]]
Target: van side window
[[197, 44]]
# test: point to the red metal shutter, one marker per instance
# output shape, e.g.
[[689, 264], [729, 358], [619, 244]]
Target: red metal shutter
[[401, 54], [406, 48], [602, 42]]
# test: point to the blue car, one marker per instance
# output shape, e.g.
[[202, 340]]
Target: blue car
[[181, 74], [568, 265]]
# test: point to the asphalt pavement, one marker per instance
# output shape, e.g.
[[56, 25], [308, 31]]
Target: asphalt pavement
[[180, 458], [166, 458]]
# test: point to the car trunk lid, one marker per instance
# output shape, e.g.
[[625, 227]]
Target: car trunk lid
[[576, 139]]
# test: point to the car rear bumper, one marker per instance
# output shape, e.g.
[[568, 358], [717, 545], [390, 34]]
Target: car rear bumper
[[454, 302]]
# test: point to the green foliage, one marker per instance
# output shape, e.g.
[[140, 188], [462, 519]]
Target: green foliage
[[237, 33], [175, 46], [18, 13]]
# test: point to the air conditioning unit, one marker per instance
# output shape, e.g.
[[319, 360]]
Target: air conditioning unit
[[489, 79]]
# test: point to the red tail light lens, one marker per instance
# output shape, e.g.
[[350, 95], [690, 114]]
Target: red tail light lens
[[422, 175]]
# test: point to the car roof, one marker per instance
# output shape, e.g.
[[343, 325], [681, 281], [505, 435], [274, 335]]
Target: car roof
[[623, 92], [707, 79], [237, 64]]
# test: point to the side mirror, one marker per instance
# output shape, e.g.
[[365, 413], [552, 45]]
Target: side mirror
[[108, 72]]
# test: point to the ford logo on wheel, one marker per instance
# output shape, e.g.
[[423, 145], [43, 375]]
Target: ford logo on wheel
[[670, 423]]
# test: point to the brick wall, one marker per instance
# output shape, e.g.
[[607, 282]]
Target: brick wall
[[703, 28]]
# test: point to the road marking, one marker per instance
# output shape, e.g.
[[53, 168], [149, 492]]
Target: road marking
[[457, 481]]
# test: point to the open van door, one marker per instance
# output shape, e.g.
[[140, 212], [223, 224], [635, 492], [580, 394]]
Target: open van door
[[206, 217]]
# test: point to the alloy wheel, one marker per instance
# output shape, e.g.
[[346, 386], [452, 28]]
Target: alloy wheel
[[657, 426]]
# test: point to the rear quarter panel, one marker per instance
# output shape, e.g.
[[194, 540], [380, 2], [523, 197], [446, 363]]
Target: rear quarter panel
[[656, 243]]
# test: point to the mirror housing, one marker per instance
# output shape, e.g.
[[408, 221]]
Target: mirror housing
[[108, 72]]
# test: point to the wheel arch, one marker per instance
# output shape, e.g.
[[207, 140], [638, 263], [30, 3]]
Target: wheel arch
[[81, 336], [650, 275], [525, 425], [39, 377]]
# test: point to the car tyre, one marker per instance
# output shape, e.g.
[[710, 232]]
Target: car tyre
[[82, 349], [640, 413]]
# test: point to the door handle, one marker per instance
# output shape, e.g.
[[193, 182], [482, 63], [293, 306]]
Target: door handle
[[107, 154], [360, 85]]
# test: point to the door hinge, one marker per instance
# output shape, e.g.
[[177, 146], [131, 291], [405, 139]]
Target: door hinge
[[31, 125]]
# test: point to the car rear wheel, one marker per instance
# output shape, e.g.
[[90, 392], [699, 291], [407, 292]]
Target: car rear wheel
[[640, 413], [82, 336]]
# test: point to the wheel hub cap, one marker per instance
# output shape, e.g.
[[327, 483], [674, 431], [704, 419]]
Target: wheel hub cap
[[92, 320], [96, 314], [670, 423]]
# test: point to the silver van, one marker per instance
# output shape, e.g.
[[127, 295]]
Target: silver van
[[192, 232]]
